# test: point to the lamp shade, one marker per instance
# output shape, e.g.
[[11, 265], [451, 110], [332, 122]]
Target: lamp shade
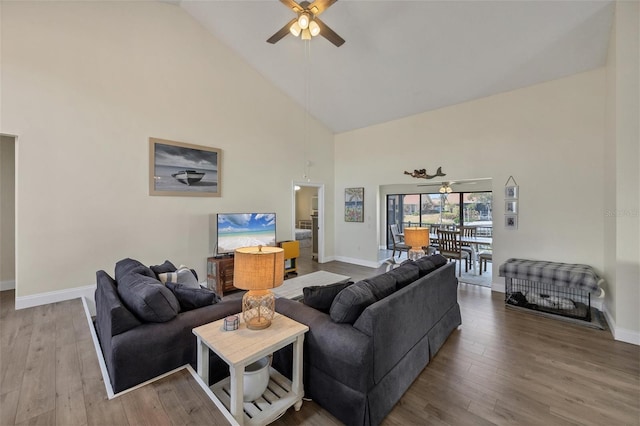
[[416, 237], [258, 268]]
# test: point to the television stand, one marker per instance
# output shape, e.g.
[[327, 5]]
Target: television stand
[[220, 274]]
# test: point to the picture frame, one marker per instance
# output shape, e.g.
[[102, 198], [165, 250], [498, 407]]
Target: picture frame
[[354, 205], [511, 207], [184, 169], [511, 192], [511, 221]]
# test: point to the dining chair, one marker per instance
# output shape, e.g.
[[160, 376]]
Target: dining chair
[[468, 231], [451, 248], [483, 258], [397, 241]]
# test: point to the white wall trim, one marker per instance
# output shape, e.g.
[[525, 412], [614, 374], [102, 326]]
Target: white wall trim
[[360, 262], [23, 302], [619, 333], [7, 285]]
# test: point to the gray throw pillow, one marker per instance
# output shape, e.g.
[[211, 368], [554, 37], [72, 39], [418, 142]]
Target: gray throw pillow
[[147, 298], [192, 298], [381, 285], [405, 274], [127, 266], [321, 297], [350, 302], [428, 264]]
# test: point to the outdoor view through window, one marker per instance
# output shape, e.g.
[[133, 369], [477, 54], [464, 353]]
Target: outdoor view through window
[[448, 210]]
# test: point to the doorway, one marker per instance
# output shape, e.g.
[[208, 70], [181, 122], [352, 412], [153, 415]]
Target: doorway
[[7, 212], [308, 219]]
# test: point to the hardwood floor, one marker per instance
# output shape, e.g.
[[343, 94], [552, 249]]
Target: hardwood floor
[[501, 367]]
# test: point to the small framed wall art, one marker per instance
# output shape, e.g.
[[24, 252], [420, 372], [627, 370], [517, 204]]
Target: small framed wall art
[[511, 204], [511, 207], [183, 169], [354, 205], [511, 221]]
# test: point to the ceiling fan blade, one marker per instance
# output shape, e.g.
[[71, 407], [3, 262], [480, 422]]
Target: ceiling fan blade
[[319, 6], [431, 184], [453, 182], [281, 32], [329, 34], [292, 5]]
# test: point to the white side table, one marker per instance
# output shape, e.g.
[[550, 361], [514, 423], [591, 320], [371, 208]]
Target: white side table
[[242, 347]]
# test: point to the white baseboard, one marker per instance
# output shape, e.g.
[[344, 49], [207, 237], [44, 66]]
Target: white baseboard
[[23, 302], [619, 333], [7, 285], [360, 262]]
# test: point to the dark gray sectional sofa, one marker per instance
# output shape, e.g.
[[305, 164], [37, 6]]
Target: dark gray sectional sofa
[[389, 328], [144, 330]]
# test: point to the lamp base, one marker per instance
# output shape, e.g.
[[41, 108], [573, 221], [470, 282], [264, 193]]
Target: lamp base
[[415, 254], [258, 309]]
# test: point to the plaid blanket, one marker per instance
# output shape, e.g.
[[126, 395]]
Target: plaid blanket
[[559, 274]]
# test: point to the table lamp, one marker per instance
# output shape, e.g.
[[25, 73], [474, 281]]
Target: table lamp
[[258, 269], [416, 238]]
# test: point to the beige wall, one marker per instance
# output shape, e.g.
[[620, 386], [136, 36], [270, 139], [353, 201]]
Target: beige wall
[[548, 136], [85, 84], [622, 162], [7, 211]]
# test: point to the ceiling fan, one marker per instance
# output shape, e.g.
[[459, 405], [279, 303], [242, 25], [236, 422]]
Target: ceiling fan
[[307, 24], [445, 186]]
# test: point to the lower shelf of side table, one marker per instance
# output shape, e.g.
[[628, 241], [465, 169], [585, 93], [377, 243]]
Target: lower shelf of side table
[[273, 402]]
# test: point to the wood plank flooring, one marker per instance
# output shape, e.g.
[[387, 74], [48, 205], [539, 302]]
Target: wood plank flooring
[[501, 367]]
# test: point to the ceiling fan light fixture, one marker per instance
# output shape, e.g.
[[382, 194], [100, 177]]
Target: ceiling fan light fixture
[[445, 189], [303, 20], [306, 34], [314, 28], [295, 29]]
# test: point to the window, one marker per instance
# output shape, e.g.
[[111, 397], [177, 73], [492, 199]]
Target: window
[[454, 209]]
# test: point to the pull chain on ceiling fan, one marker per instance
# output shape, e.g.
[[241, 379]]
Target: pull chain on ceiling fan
[[307, 24]]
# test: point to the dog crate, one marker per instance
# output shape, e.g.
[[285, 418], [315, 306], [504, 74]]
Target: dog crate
[[550, 287]]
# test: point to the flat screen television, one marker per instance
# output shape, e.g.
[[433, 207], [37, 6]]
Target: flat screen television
[[237, 230]]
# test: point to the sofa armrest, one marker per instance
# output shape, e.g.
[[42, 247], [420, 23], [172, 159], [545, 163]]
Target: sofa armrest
[[339, 350], [112, 317]]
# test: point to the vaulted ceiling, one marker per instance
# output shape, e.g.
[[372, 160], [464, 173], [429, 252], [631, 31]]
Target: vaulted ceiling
[[406, 57]]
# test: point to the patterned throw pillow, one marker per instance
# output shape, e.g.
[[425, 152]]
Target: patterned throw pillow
[[182, 275]]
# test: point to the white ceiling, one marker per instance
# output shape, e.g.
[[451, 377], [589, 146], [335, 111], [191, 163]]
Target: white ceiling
[[406, 57]]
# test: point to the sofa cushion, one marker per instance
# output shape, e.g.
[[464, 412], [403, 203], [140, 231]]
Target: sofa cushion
[[351, 301], [381, 285], [405, 274], [192, 298], [182, 275], [163, 269], [429, 264], [321, 297], [147, 298], [127, 266]]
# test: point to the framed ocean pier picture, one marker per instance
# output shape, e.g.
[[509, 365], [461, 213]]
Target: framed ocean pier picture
[[183, 169], [354, 205]]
